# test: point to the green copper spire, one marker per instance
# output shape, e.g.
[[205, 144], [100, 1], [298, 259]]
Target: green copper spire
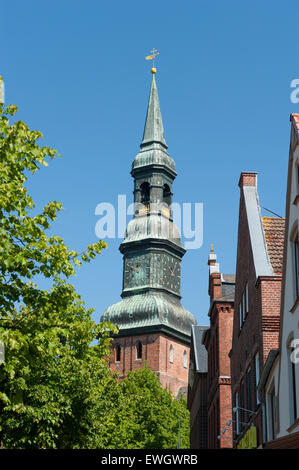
[[152, 249], [153, 129]]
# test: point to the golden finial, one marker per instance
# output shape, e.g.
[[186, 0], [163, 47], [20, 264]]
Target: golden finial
[[212, 248], [154, 52]]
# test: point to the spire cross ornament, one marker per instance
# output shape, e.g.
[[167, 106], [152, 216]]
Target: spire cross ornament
[[154, 52]]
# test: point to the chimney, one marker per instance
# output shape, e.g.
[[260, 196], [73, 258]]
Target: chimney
[[248, 179], [214, 276]]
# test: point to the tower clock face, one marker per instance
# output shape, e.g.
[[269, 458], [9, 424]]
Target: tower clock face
[[136, 271], [171, 273]]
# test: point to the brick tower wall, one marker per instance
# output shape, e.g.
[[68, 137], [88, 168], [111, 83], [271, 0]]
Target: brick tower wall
[[156, 353]]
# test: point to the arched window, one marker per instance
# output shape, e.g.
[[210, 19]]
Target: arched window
[[291, 349], [185, 359], [145, 193], [139, 350], [117, 353], [166, 194], [171, 354]]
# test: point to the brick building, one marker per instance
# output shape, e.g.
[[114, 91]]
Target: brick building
[[163, 352], [197, 401], [218, 341], [153, 325], [279, 383], [257, 309]]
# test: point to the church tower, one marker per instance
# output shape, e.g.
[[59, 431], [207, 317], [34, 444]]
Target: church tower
[[153, 325]]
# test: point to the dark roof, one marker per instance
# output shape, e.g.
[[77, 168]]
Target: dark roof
[[228, 287], [150, 311], [200, 352], [227, 290], [274, 234]]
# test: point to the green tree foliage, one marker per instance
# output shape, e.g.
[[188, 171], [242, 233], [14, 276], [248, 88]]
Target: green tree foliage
[[56, 389], [55, 371], [146, 415]]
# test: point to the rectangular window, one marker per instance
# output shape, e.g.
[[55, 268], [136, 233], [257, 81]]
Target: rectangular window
[[248, 383], [237, 427], [296, 253], [244, 306], [217, 349], [264, 421], [246, 298], [241, 312], [292, 386], [213, 359], [240, 316], [257, 375], [185, 360], [118, 353], [242, 414], [242, 309], [218, 423], [210, 366], [294, 391], [272, 412], [171, 354]]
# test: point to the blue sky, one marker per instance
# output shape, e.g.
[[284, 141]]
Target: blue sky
[[77, 72]]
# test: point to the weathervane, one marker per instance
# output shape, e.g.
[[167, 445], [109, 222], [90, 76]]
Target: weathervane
[[154, 52]]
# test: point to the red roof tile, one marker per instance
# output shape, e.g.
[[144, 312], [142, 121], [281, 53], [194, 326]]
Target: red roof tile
[[295, 118], [274, 234]]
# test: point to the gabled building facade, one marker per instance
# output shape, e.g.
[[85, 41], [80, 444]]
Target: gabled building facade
[[197, 399], [153, 325], [218, 341], [257, 309], [279, 385]]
